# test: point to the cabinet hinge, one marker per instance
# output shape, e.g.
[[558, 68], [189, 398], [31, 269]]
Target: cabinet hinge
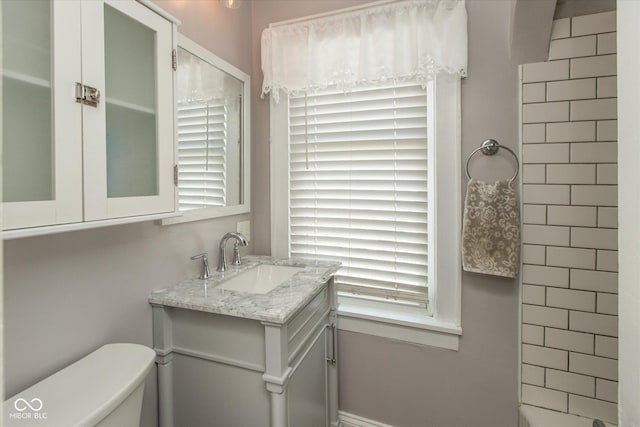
[[175, 175], [174, 60]]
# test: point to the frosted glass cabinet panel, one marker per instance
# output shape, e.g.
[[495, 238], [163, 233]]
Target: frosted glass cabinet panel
[[130, 106], [87, 111], [42, 163], [27, 105]]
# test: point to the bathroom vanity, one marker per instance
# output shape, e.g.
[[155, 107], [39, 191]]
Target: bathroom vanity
[[252, 346]]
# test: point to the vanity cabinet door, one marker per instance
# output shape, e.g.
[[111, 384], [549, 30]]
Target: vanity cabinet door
[[41, 122], [307, 388], [128, 136]]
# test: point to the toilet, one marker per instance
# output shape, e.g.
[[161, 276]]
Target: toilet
[[103, 389]]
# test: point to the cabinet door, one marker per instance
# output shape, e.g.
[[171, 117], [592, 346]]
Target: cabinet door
[[128, 136], [307, 388], [42, 151]]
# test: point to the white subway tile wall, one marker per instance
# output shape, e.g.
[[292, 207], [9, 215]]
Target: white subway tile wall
[[569, 340], [594, 152], [592, 408], [593, 24], [594, 109], [607, 390], [546, 276], [607, 87], [607, 260], [533, 92], [561, 29], [545, 397], [534, 254], [573, 47], [570, 258], [608, 217], [545, 357], [533, 335], [566, 90], [570, 132], [535, 214], [533, 375], [546, 153], [545, 71], [532, 294], [599, 281], [607, 130], [534, 174], [606, 43], [579, 216], [607, 174], [547, 194], [607, 347], [598, 367], [573, 383], [594, 66]]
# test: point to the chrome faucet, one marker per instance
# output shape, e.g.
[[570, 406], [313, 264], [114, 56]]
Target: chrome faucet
[[222, 256]]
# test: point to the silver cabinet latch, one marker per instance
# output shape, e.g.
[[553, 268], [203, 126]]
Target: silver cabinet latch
[[87, 95], [332, 359]]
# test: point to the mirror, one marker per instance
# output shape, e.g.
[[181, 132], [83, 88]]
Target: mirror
[[213, 143]]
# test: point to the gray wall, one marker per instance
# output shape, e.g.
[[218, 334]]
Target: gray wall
[[66, 295], [401, 384]]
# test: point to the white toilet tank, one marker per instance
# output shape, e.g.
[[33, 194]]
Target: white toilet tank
[[103, 389]]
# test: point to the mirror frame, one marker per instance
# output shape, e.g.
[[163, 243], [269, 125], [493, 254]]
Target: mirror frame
[[218, 211]]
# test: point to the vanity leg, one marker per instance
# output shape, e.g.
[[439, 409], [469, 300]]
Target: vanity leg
[[277, 372], [279, 413], [165, 394], [163, 344], [332, 387]]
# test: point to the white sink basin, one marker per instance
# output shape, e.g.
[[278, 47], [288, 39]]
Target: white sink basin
[[260, 280]]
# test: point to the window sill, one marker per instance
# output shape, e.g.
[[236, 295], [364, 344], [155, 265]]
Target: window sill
[[407, 325]]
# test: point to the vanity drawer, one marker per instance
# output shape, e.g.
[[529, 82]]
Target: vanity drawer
[[226, 339]]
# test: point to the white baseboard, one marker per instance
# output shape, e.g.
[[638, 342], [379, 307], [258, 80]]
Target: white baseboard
[[351, 420]]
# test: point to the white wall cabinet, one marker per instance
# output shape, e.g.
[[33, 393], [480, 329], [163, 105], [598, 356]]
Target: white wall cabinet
[[66, 161]]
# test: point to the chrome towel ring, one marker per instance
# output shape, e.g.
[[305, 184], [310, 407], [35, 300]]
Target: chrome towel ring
[[490, 147]]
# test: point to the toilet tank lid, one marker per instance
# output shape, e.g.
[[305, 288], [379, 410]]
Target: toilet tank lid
[[84, 392]]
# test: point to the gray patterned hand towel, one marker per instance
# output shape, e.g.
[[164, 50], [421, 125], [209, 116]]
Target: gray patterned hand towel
[[491, 229]]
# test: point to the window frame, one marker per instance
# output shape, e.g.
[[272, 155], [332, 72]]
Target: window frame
[[443, 327]]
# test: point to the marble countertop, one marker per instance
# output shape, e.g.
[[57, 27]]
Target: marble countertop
[[276, 306]]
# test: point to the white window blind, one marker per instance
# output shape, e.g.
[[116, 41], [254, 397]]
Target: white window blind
[[359, 188], [202, 142]]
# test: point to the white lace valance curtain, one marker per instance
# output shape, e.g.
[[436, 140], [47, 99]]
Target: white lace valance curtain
[[200, 81], [395, 41]]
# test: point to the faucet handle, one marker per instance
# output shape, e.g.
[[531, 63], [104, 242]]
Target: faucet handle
[[204, 270]]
